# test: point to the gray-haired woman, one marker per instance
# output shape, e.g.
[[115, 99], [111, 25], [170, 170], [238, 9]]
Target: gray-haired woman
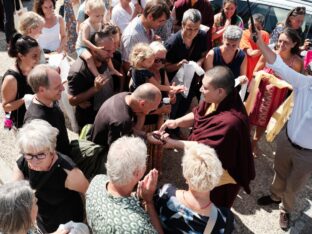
[[55, 177], [187, 211], [229, 54]]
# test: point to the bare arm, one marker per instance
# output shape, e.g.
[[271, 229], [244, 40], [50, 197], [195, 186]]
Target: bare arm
[[183, 122], [62, 34], [85, 37], [76, 181], [17, 174], [267, 53], [172, 67], [8, 93], [243, 67], [208, 63]]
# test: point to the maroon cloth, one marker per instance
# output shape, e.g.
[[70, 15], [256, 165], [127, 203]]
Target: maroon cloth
[[205, 9], [227, 131]]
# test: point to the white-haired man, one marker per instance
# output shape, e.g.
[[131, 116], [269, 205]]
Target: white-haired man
[[111, 205]]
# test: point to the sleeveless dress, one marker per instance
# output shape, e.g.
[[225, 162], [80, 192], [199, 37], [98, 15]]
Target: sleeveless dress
[[269, 98], [234, 65], [57, 204], [50, 38], [23, 88]]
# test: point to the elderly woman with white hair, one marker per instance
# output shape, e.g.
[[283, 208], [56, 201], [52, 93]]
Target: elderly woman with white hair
[[111, 205], [54, 176], [229, 54], [191, 210], [19, 210]]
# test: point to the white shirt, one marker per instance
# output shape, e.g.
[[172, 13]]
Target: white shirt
[[121, 17], [299, 126]]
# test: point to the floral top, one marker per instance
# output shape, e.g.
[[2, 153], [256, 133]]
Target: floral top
[[109, 214], [218, 26], [177, 218]]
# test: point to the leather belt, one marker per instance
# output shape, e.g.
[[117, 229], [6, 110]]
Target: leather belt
[[294, 144]]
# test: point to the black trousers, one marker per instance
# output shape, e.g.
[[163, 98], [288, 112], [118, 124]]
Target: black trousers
[[9, 8]]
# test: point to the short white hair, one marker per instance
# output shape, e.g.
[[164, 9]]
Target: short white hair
[[125, 156], [233, 33], [157, 46], [201, 167], [36, 136]]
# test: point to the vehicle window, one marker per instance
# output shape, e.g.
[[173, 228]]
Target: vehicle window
[[308, 27], [275, 16]]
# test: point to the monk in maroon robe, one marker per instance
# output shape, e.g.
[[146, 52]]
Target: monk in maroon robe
[[221, 122]]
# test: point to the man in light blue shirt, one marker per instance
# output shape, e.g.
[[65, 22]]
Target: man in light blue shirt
[[293, 160]]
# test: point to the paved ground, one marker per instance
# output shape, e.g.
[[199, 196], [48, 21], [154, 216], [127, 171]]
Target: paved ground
[[250, 218]]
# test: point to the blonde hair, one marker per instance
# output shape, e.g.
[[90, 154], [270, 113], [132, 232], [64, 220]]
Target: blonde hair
[[157, 46], [92, 5], [139, 53], [30, 20], [201, 167]]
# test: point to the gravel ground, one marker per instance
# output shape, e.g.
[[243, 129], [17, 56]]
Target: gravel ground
[[249, 217]]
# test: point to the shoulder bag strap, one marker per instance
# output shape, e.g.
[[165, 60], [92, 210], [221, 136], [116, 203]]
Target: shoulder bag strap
[[212, 219]]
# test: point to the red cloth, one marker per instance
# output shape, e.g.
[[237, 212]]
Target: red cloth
[[227, 131], [248, 43]]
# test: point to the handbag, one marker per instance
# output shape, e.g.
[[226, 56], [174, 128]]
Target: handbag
[[18, 13]]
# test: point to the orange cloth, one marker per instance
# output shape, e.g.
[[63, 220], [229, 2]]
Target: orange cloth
[[248, 43]]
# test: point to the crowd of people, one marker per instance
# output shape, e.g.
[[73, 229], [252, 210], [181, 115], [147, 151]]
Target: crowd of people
[[139, 67]]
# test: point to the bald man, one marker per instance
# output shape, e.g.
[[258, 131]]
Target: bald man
[[116, 117]]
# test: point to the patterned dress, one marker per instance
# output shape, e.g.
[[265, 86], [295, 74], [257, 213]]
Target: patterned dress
[[177, 218], [70, 22], [109, 214]]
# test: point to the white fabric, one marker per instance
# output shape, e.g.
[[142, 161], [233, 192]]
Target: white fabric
[[185, 75], [50, 38], [74, 228], [299, 126], [121, 17], [28, 99]]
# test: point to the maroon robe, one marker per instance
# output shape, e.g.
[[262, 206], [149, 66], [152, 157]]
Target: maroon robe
[[227, 131]]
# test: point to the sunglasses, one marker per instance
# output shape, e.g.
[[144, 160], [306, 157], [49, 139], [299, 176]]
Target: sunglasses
[[160, 60], [299, 11], [30, 157]]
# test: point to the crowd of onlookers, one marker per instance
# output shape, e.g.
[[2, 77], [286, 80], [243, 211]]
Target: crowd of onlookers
[[139, 65]]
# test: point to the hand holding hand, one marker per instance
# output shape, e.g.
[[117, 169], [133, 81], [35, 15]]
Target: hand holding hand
[[170, 123]]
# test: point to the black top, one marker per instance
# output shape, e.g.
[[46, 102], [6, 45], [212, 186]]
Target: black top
[[178, 51], [23, 88], [80, 79], [139, 77], [54, 116], [114, 120], [234, 65], [57, 204]]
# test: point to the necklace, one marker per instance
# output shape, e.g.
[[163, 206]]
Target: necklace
[[201, 208]]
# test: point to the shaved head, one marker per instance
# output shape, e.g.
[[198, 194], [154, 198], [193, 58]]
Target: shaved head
[[148, 92], [221, 77]]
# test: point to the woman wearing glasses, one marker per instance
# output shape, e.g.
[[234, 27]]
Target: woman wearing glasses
[[294, 20], [58, 183]]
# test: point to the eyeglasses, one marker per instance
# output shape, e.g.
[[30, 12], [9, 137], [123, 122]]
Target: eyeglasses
[[160, 60], [39, 156]]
